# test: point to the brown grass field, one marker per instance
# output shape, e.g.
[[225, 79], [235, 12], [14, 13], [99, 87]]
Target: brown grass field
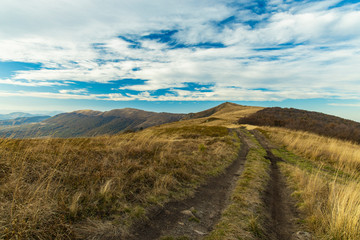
[[70, 188]]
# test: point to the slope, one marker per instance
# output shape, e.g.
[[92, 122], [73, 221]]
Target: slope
[[226, 115], [22, 121], [86, 123], [319, 123]]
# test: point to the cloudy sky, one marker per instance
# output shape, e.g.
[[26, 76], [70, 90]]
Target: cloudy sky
[[179, 56]]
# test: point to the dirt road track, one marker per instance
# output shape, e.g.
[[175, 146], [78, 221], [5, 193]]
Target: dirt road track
[[207, 205], [282, 214]]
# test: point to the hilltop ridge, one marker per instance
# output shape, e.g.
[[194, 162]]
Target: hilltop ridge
[[206, 113], [319, 123], [86, 123]]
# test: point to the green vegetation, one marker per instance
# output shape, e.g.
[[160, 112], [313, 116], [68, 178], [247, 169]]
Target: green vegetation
[[197, 131], [244, 217]]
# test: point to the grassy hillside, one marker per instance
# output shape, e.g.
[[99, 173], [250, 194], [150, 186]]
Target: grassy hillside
[[315, 122], [226, 114], [325, 177], [98, 187]]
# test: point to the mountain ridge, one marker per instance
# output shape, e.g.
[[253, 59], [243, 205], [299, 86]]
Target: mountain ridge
[[88, 123], [22, 121], [15, 115]]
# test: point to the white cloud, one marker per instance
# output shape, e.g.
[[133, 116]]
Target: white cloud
[[29, 83], [74, 91], [67, 95], [61, 36]]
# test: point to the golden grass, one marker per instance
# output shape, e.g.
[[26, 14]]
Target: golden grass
[[332, 208], [244, 217], [343, 155], [331, 202], [96, 187], [227, 117]]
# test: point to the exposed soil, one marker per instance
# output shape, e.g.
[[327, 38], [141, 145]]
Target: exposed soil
[[282, 214], [202, 211]]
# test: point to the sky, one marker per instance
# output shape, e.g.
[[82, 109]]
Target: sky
[[179, 56]]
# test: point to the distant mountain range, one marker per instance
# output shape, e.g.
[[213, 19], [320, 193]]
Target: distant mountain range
[[92, 123], [16, 115], [87, 123], [22, 121]]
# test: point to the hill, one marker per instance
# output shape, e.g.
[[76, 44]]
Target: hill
[[319, 123], [226, 114], [227, 106], [22, 121], [15, 115], [92, 123]]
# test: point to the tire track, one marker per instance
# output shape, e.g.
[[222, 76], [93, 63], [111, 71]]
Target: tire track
[[195, 217], [282, 213]]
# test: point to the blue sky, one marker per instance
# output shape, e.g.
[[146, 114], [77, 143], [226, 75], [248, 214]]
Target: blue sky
[[179, 56]]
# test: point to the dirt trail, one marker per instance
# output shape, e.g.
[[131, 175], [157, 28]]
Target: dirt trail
[[202, 211], [282, 213]]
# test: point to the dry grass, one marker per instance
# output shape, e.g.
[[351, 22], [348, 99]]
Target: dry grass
[[332, 208], [229, 117], [226, 117], [343, 155], [97, 187], [330, 200], [244, 217]]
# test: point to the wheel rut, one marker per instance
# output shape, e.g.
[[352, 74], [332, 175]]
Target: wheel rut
[[282, 214], [195, 217]]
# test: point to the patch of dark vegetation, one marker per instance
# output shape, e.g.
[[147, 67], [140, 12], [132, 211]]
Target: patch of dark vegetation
[[197, 131], [211, 119], [319, 123]]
